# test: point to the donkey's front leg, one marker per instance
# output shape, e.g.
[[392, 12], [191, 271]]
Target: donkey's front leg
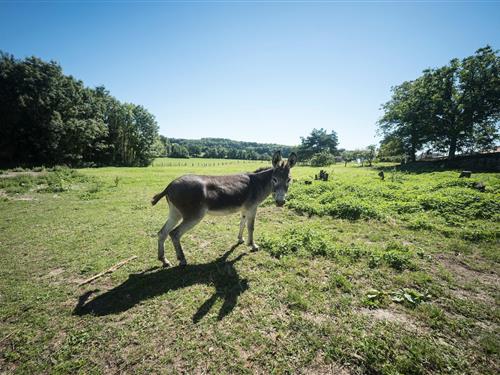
[[250, 228], [242, 227]]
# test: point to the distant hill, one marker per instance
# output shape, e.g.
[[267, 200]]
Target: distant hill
[[226, 148]]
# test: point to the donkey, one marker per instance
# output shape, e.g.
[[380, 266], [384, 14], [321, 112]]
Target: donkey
[[191, 197]]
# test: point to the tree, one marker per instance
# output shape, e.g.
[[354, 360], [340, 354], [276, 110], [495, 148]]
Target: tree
[[406, 115], [454, 108], [371, 152], [50, 118], [322, 159], [227, 148], [318, 141], [391, 148], [47, 117], [467, 94], [347, 156], [158, 149], [179, 151]]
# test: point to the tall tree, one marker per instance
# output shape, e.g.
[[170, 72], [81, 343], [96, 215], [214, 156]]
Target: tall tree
[[50, 118], [454, 108], [468, 96], [318, 141], [406, 115]]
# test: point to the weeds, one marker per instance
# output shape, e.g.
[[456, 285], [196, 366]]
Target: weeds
[[435, 201], [56, 180]]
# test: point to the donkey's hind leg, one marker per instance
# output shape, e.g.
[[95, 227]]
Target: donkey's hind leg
[[176, 234], [242, 227], [173, 218]]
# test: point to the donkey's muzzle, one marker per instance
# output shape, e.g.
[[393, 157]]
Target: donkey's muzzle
[[280, 203]]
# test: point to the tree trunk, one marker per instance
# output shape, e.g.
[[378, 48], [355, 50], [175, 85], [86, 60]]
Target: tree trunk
[[413, 153], [453, 147]]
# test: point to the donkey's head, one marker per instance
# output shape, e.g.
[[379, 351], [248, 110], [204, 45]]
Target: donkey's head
[[281, 176]]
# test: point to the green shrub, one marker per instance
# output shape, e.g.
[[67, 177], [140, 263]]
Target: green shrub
[[299, 240]]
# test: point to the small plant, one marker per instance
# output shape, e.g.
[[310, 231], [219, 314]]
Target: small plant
[[117, 181], [338, 281], [410, 297], [374, 299], [399, 261]]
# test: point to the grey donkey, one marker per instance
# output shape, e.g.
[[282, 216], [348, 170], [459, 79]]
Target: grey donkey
[[191, 197]]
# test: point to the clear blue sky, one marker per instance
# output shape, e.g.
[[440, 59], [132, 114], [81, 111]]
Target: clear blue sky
[[268, 72]]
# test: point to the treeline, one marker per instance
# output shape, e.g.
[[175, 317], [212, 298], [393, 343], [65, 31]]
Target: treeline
[[452, 109], [221, 148], [47, 117]]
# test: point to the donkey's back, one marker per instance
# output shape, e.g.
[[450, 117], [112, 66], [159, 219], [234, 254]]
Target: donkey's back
[[192, 193]]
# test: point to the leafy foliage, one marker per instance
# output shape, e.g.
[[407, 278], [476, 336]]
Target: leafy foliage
[[54, 180], [454, 108], [437, 200], [222, 148], [322, 159], [50, 118], [318, 142]]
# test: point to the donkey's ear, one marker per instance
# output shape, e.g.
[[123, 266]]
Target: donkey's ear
[[292, 160], [276, 158]]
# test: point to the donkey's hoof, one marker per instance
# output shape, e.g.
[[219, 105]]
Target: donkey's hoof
[[240, 241], [254, 248], [166, 264], [183, 263]]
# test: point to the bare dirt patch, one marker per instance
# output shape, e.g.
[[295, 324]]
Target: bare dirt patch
[[319, 367], [465, 275], [318, 319], [55, 272], [392, 316]]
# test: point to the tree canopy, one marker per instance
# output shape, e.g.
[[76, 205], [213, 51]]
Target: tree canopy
[[319, 141], [49, 118], [223, 148], [454, 108]]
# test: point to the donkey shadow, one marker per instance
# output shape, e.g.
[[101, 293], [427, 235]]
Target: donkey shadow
[[220, 273]]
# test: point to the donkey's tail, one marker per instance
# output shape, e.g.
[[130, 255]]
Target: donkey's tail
[[159, 196]]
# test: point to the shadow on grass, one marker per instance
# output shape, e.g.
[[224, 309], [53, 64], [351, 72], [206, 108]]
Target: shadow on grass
[[220, 273]]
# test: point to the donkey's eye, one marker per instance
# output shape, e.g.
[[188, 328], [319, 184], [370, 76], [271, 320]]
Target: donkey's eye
[[275, 180]]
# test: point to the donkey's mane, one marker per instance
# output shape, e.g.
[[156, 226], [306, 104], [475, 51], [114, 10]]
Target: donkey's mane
[[262, 169]]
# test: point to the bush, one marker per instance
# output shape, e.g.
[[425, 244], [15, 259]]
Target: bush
[[322, 159], [300, 240]]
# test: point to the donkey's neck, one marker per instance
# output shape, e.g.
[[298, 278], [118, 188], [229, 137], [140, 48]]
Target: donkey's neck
[[263, 184]]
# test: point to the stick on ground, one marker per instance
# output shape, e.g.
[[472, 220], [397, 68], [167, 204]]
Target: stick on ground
[[109, 270]]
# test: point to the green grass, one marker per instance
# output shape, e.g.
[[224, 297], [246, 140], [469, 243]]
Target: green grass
[[355, 275]]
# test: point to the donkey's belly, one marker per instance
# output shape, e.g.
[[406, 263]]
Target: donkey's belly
[[224, 211]]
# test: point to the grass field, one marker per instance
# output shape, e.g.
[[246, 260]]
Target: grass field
[[355, 275]]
